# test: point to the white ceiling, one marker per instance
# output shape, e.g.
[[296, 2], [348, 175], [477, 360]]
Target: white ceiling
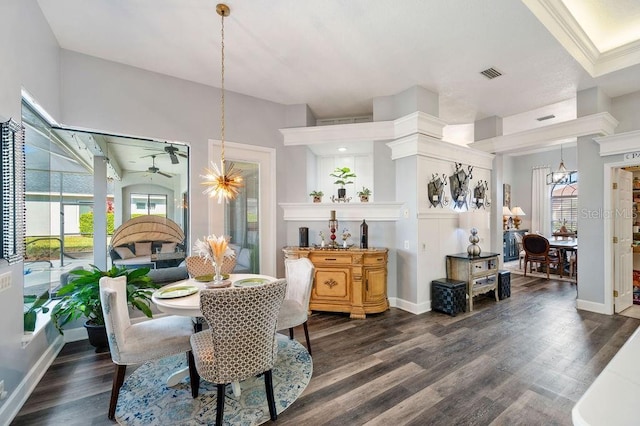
[[336, 55]]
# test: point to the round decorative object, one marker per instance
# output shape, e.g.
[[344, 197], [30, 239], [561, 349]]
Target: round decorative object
[[473, 249]]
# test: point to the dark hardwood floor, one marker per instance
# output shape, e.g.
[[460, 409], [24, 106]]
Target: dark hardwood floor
[[525, 360]]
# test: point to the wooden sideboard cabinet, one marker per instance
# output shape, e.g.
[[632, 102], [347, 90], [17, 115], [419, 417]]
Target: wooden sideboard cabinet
[[352, 281]]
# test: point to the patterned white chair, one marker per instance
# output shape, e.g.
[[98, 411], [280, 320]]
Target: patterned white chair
[[197, 266], [144, 341], [241, 339], [295, 308]]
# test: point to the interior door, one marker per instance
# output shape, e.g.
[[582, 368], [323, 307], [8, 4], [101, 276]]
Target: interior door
[[623, 252]]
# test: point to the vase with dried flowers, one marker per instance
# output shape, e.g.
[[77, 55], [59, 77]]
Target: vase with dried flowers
[[345, 236], [214, 249]]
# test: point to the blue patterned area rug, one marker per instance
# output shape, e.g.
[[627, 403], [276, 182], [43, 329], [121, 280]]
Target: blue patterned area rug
[[145, 398]]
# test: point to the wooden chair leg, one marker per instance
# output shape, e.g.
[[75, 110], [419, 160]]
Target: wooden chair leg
[[306, 334], [118, 380], [291, 333], [194, 377], [525, 266], [220, 388], [268, 385]]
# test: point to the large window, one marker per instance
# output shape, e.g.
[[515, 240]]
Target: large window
[[564, 207], [148, 204]]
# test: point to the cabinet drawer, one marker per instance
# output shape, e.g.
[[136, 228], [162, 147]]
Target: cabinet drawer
[[330, 259], [375, 260]]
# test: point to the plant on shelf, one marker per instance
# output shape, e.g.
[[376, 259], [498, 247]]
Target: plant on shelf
[[343, 176], [317, 196], [81, 298], [364, 194]]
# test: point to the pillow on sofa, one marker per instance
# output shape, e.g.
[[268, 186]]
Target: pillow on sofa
[[143, 249], [168, 248], [124, 252]]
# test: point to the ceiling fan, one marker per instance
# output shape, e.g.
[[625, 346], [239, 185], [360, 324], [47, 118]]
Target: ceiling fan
[[173, 152], [154, 169]]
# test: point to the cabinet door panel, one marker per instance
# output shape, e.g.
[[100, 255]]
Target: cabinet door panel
[[375, 284], [332, 284]]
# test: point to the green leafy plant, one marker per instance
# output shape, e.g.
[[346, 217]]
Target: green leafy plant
[[343, 176], [365, 192], [316, 194], [81, 296], [33, 304]]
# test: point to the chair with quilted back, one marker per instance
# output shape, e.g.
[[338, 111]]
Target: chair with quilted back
[[197, 266], [145, 341], [537, 250], [241, 339], [295, 308]]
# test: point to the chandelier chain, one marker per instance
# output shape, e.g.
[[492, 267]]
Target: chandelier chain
[[222, 94]]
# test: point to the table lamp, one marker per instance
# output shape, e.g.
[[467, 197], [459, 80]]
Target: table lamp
[[517, 212], [506, 214]]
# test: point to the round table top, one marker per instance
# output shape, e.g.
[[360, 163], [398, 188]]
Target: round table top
[[190, 305]]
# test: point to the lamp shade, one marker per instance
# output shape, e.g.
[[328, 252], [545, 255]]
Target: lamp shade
[[506, 211], [517, 211]]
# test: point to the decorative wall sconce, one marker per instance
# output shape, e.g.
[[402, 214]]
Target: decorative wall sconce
[[460, 185], [435, 190], [480, 198]]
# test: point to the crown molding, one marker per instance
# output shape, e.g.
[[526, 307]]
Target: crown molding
[[418, 122], [596, 124], [554, 15], [427, 146], [619, 144]]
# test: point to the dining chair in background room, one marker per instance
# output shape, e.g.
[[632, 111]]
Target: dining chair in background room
[[521, 252], [198, 266], [241, 339], [144, 341], [295, 308], [537, 250]]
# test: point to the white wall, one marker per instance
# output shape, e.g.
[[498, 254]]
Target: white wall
[[30, 60]]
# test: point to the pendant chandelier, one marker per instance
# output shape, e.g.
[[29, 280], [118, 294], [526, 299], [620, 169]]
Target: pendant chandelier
[[562, 175], [222, 182]]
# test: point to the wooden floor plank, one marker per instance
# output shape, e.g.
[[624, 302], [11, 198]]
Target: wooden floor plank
[[524, 360]]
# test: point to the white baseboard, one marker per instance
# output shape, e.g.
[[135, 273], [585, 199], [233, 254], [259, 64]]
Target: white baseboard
[[19, 396], [599, 308], [411, 307]]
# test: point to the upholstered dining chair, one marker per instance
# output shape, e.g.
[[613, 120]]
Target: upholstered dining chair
[[241, 339], [295, 308], [197, 266], [144, 341], [537, 250]]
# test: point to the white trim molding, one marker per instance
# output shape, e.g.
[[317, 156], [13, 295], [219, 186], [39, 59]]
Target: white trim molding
[[619, 144], [419, 122], [413, 308], [555, 16], [427, 146], [601, 123], [384, 211]]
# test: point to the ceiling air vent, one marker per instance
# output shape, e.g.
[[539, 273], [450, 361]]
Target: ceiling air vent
[[491, 73], [546, 117]]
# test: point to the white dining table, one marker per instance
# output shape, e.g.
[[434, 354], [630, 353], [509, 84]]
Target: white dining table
[[190, 306]]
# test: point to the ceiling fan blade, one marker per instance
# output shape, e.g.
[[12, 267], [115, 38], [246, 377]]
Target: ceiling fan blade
[[182, 154], [174, 158], [164, 174]]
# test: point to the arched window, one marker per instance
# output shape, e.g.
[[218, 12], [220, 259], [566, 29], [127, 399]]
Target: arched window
[[564, 206]]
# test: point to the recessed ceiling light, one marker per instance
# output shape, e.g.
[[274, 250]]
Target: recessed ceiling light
[[342, 149]]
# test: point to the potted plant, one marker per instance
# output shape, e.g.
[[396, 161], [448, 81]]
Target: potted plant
[[364, 195], [35, 304], [343, 177], [317, 196], [81, 298]]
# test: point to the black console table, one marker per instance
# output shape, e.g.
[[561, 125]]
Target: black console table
[[510, 244]]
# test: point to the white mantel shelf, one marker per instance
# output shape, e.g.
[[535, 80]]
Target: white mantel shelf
[[383, 211]]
